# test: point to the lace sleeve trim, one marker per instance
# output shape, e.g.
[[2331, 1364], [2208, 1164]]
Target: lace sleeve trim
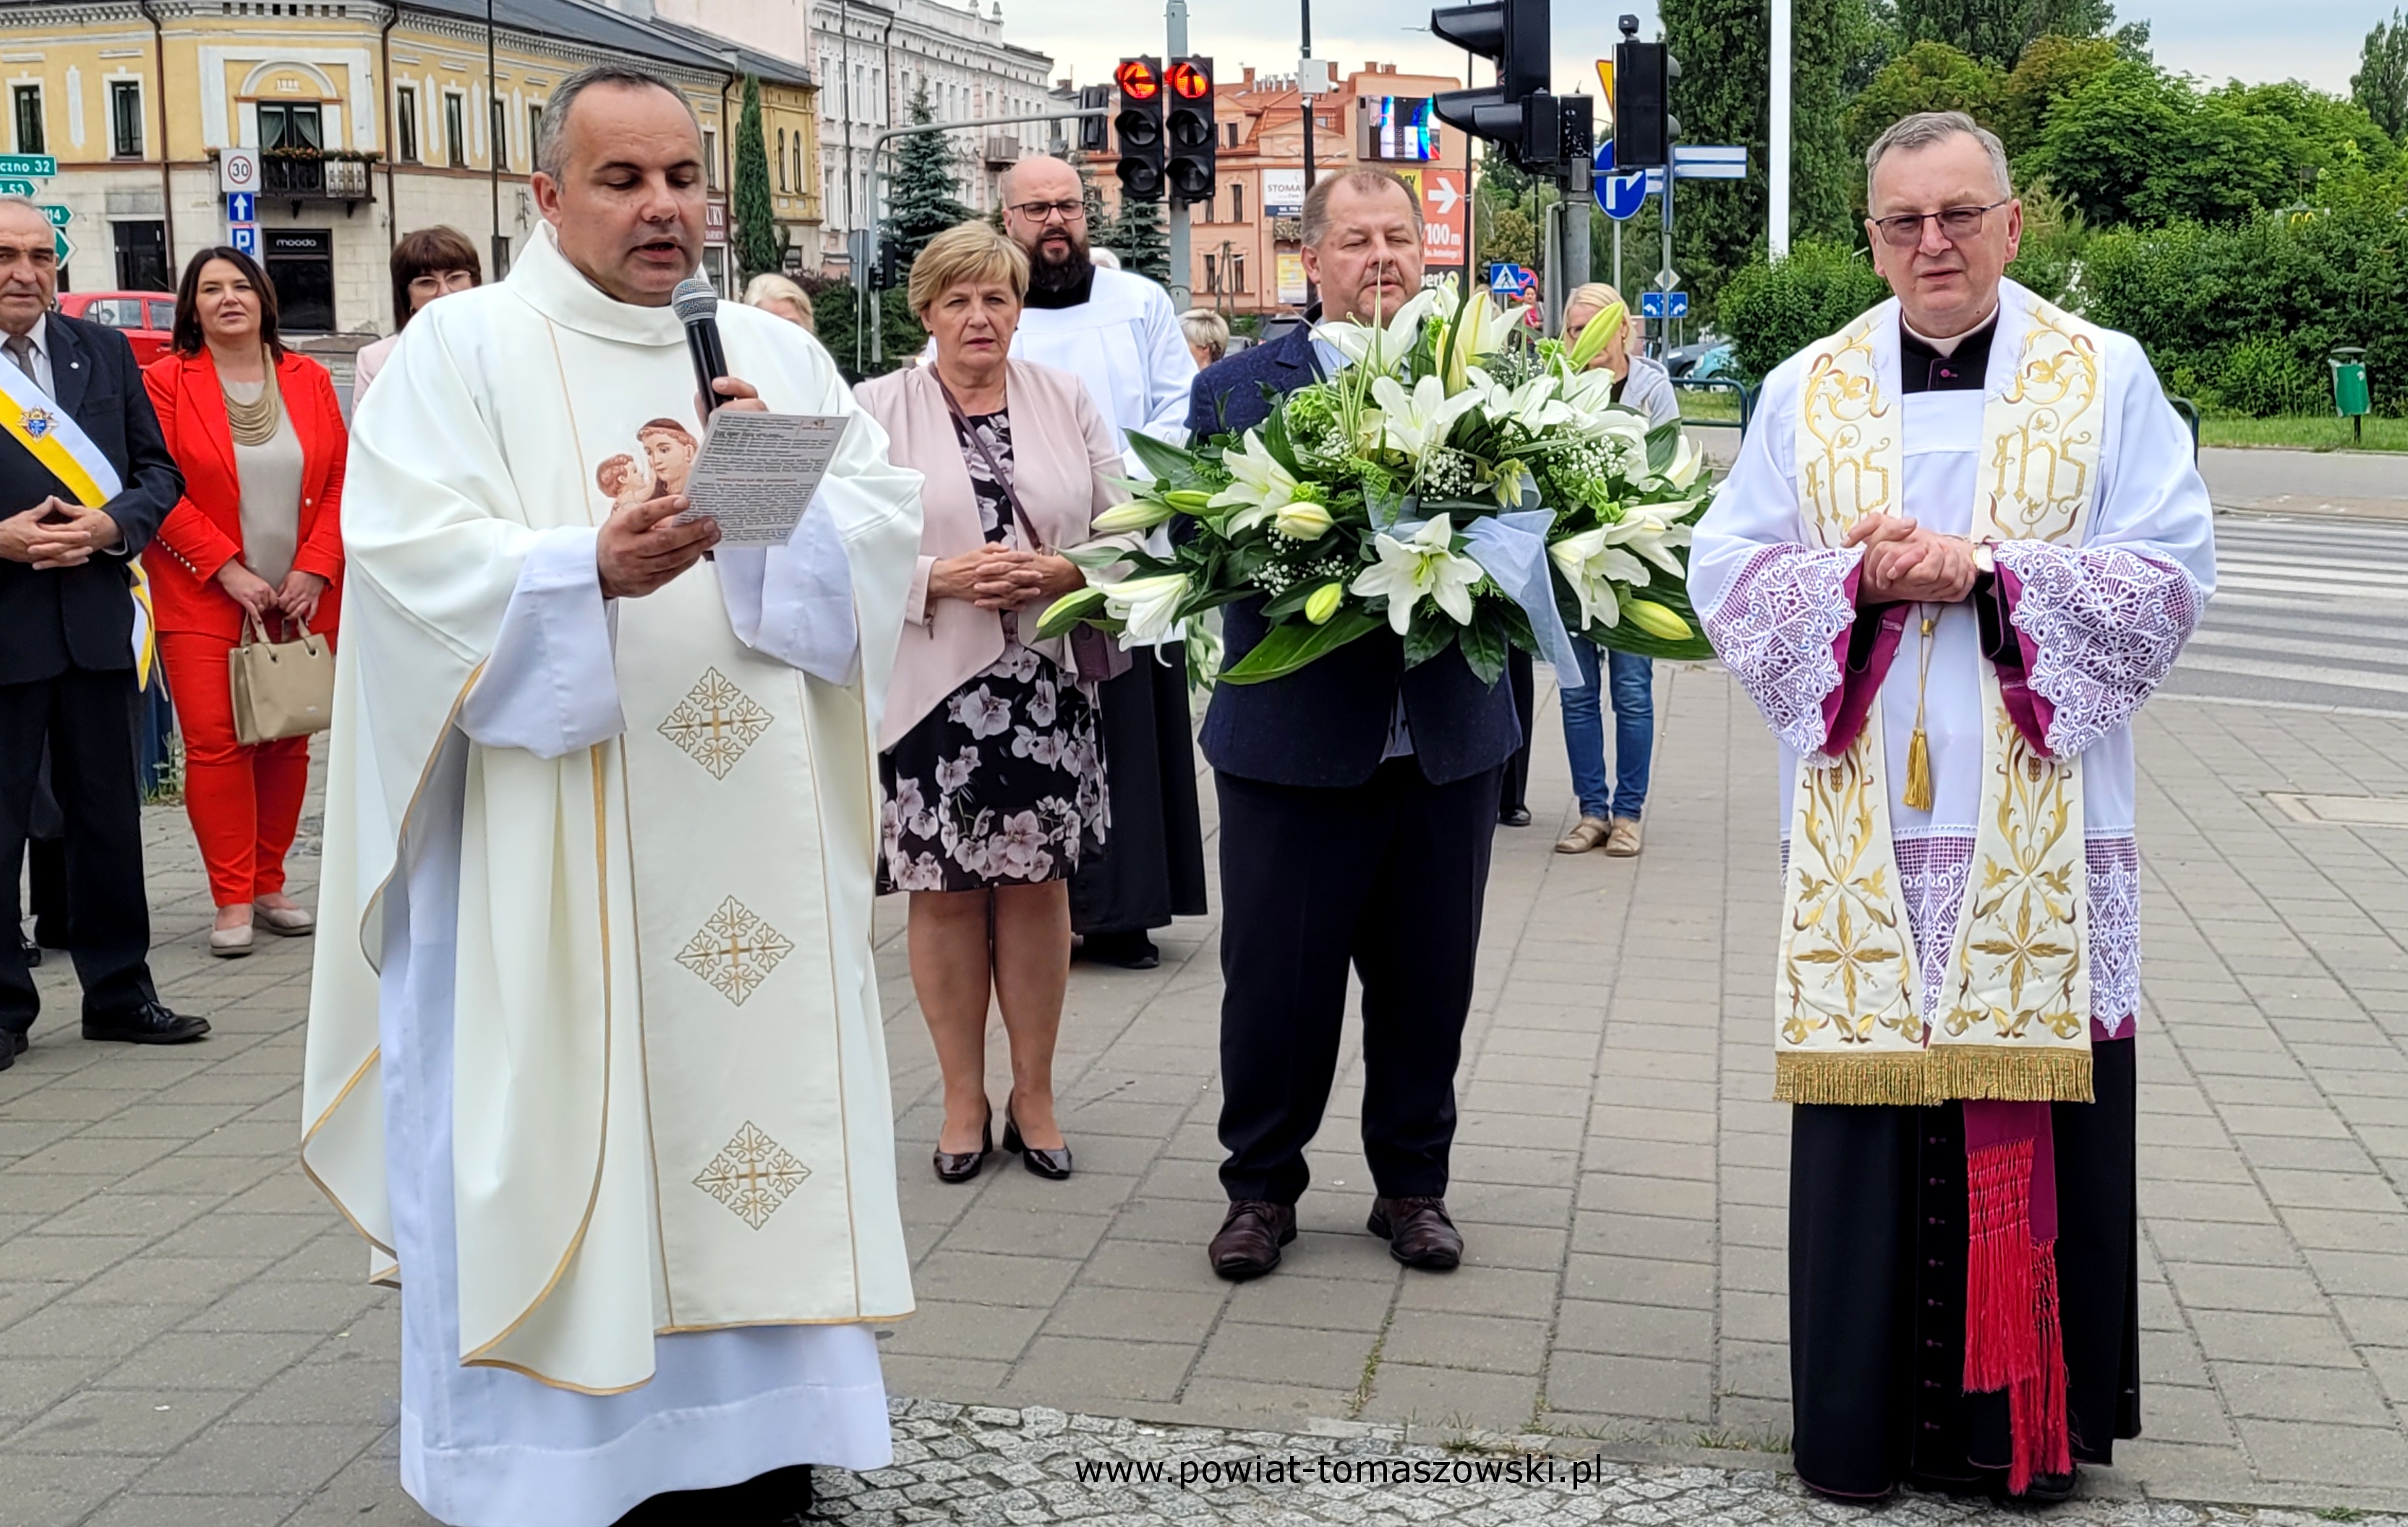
[[2105, 626], [1774, 629]]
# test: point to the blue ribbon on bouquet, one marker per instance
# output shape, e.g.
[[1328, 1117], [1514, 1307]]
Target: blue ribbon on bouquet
[[1512, 547]]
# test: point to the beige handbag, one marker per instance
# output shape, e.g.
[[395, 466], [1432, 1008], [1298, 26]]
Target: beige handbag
[[281, 689]]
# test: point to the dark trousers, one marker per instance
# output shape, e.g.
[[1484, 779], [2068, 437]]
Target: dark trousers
[[1387, 877], [1153, 865], [87, 720], [1878, 1239], [1514, 790]]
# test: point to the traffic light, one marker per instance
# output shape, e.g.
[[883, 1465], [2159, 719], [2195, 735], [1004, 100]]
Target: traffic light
[[1188, 128], [1644, 128], [1513, 34], [1138, 127], [1094, 133], [888, 274]]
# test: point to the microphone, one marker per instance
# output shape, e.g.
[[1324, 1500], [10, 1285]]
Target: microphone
[[695, 304]]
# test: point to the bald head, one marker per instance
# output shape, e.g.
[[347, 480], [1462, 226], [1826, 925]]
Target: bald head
[[1040, 177], [1056, 234]]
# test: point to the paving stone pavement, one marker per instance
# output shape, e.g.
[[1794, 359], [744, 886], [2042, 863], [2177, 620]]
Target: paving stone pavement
[[185, 1338]]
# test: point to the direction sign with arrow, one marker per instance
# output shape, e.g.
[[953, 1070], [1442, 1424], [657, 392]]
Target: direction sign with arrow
[[1710, 160], [1621, 196], [13, 186], [59, 217], [64, 246]]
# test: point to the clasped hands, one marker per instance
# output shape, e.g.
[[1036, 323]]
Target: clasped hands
[[996, 576], [56, 534], [1907, 565]]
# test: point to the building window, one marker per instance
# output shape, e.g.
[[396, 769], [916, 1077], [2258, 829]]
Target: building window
[[535, 134], [456, 132], [782, 158], [1236, 201], [799, 160], [501, 127], [1213, 274], [142, 256], [30, 139], [125, 118], [710, 159], [1238, 274], [284, 126], [405, 122], [1230, 129]]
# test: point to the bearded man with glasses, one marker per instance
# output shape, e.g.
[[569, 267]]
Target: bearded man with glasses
[[1119, 332], [1963, 541]]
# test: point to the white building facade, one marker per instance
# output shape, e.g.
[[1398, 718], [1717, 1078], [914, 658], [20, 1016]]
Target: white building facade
[[872, 56]]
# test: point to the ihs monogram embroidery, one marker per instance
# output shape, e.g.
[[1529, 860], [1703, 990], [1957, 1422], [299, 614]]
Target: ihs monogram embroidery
[[754, 1176], [735, 951], [715, 722]]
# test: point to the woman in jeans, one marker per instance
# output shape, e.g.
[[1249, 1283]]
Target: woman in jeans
[[1610, 814]]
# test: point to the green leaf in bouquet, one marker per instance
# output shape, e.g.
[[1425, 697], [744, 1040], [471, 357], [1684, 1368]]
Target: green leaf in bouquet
[[1428, 638], [1484, 643], [1169, 462], [1073, 609], [1630, 637], [1275, 441], [1663, 448], [1291, 644]]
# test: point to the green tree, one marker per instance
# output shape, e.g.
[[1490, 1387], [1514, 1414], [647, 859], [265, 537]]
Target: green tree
[[1772, 311], [760, 243], [2051, 69], [924, 196], [2381, 84], [838, 313], [1141, 239], [1927, 76], [1997, 31]]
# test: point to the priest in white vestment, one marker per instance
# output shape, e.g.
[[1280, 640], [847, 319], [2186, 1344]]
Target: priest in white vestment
[[1963, 542], [1118, 332], [595, 1060]]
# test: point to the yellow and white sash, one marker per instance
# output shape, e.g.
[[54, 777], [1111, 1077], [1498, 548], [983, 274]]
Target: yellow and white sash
[[34, 419], [2013, 1019]]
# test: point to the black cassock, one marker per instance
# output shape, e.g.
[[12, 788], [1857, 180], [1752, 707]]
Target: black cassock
[[1878, 1235], [1153, 865]]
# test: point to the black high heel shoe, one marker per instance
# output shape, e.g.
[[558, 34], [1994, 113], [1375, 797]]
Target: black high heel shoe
[[962, 1166], [1053, 1165]]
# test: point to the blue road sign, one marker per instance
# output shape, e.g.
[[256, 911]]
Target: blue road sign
[[1510, 280], [245, 238], [1621, 196], [241, 206], [1650, 305]]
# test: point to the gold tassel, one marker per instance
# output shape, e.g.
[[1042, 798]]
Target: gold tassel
[[1857, 1078], [2010, 1073], [1918, 771], [1918, 750]]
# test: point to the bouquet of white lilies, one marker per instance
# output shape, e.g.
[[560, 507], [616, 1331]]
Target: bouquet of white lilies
[[1458, 482]]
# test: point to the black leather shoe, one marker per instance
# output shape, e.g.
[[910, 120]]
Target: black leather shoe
[[1514, 816], [962, 1166], [33, 952], [153, 1024], [1418, 1233], [1251, 1237], [1053, 1165], [20, 1042], [782, 1497], [8, 1053], [1129, 950]]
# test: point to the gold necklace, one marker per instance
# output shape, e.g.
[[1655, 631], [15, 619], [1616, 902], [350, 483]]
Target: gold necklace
[[253, 423]]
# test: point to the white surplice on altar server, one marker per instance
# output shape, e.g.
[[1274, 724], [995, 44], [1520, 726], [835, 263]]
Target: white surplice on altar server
[[594, 1050], [1124, 343], [2101, 613]]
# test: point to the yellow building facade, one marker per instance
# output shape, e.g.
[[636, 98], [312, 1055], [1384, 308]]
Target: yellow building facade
[[369, 121]]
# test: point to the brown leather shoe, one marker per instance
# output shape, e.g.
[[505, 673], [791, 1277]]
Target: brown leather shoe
[[1251, 1237], [1418, 1233]]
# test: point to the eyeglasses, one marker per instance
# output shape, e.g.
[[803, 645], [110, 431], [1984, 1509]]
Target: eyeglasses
[[1956, 224], [1047, 211]]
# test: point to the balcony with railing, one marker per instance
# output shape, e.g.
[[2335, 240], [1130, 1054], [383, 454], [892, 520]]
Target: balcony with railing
[[314, 174]]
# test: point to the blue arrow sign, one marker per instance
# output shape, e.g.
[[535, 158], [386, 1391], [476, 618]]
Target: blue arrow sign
[[1652, 305], [241, 206], [1621, 196], [1510, 280]]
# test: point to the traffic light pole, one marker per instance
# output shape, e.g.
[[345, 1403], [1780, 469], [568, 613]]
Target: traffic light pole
[[1174, 210], [1578, 198]]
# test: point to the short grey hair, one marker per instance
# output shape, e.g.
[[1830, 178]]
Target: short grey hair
[[1317, 201], [27, 203], [1207, 330], [550, 144], [1927, 128]]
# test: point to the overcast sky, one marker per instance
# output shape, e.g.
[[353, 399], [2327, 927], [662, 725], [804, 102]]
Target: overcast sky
[[2316, 40]]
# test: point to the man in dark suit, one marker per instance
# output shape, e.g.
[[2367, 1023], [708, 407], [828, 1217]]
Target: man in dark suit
[[1357, 800], [67, 638]]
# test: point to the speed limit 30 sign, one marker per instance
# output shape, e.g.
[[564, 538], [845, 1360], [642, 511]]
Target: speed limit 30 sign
[[238, 169]]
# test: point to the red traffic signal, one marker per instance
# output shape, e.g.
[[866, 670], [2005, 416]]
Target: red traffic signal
[[1136, 79], [1190, 82]]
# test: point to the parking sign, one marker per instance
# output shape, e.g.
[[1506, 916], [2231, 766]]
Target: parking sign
[[246, 238]]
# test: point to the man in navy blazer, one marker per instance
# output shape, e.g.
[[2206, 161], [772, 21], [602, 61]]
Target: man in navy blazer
[[66, 642], [1357, 801]]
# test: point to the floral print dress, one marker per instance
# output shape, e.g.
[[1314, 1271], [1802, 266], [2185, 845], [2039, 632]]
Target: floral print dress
[[1002, 784]]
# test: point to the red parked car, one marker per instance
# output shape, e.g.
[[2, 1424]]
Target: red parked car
[[144, 318]]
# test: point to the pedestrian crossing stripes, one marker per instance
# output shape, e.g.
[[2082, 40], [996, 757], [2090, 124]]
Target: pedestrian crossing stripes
[[2306, 612]]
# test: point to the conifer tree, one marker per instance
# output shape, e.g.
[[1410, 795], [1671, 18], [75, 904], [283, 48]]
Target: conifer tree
[[924, 196], [760, 243], [1141, 239]]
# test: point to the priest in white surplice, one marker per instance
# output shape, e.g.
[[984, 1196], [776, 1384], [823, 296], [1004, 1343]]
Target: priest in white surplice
[[594, 1054], [1963, 542]]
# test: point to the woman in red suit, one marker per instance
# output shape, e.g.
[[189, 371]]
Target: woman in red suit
[[258, 536]]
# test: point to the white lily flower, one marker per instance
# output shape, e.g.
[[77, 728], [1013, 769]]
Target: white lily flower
[[1263, 485], [1686, 463], [1148, 606], [1136, 514], [1302, 521], [1427, 564], [1532, 407], [1420, 419], [1380, 345], [1480, 329], [1648, 530], [1592, 564]]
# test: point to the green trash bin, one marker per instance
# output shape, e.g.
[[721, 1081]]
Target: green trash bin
[[2352, 399]]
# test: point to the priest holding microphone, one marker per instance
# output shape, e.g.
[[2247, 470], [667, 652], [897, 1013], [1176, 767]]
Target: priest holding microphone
[[594, 1062]]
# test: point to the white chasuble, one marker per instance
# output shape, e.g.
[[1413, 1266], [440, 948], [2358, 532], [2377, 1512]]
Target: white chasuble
[[1940, 947], [669, 1105]]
